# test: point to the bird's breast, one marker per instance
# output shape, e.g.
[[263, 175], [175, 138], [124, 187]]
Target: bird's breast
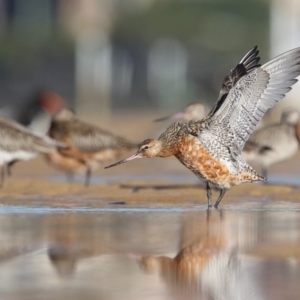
[[198, 159]]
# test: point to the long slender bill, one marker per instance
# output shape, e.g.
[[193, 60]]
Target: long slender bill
[[132, 157], [179, 115]]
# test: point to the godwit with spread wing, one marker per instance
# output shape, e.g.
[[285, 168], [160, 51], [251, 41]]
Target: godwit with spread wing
[[273, 143], [212, 147], [88, 145]]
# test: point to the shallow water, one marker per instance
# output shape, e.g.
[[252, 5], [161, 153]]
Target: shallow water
[[123, 252], [282, 178]]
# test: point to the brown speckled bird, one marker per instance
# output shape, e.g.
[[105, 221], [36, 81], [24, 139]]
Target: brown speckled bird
[[88, 145], [211, 148]]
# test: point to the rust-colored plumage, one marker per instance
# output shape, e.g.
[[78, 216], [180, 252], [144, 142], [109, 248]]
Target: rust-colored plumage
[[211, 148], [88, 145]]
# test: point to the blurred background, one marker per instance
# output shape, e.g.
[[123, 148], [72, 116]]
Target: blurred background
[[120, 64], [104, 56]]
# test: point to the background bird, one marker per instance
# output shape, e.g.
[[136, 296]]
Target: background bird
[[88, 145], [193, 111], [273, 143], [19, 143], [36, 111], [212, 148]]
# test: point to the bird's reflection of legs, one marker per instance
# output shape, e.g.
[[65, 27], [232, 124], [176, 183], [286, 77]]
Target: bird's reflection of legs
[[208, 193], [209, 212]]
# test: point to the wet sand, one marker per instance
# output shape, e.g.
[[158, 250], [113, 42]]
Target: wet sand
[[141, 182]]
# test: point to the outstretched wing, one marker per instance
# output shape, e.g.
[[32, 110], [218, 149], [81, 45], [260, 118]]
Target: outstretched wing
[[251, 97], [248, 63]]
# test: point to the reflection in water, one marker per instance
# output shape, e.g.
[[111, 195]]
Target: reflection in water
[[209, 268], [236, 255], [183, 273], [63, 260]]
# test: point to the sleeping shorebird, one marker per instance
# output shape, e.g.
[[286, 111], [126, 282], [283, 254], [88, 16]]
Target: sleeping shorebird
[[211, 148], [194, 111], [273, 143], [88, 145], [19, 143]]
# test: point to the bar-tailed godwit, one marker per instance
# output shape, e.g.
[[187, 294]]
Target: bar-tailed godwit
[[211, 148], [273, 143], [88, 145]]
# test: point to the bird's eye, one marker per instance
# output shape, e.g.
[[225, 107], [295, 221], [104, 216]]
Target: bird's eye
[[146, 147]]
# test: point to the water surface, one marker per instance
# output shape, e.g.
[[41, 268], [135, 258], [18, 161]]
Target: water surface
[[240, 252]]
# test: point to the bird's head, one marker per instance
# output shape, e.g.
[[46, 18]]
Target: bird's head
[[148, 148]]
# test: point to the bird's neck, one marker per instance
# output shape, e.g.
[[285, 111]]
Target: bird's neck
[[168, 148], [170, 139]]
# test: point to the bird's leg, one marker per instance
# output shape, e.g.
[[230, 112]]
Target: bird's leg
[[208, 193], [222, 193], [8, 170], [2, 175], [9, 166], [264, 172], [87, 176], [70, 177]]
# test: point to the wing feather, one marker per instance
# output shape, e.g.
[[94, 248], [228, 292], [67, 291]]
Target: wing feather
[[252, 96], [98, 140], [15, 137], [248, 63], [88, 138]]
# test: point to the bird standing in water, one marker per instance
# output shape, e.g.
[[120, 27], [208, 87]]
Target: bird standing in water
[[211, 148], [273, 143]]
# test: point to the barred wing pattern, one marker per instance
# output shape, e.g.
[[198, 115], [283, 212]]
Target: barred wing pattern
[[251, 97], [248, 63], [15, 137], [95, 139], [98, 141]]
